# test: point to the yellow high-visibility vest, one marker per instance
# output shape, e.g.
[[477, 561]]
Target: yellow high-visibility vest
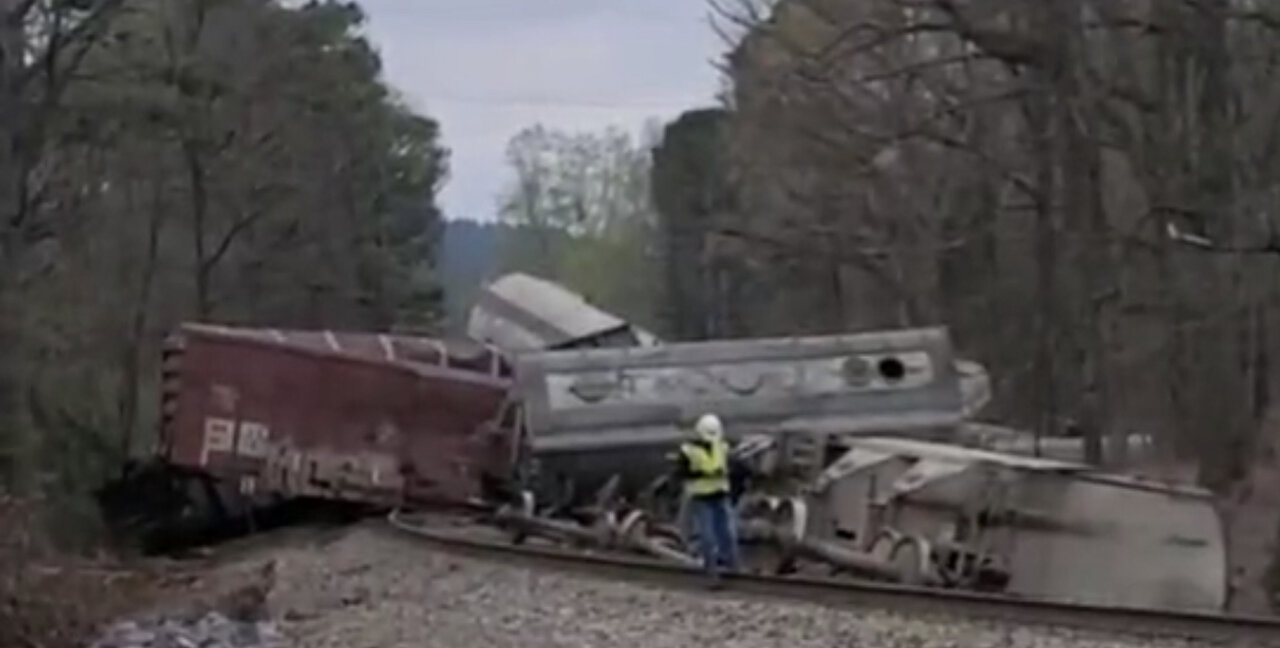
[[710, 468]]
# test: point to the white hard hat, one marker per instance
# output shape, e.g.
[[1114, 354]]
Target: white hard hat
[[708, 427]]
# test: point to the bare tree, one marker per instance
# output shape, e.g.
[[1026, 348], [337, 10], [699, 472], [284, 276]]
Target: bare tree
[[1097, 175]]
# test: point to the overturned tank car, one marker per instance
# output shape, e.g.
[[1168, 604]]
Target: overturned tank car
[[918, 512], [599, 397], [591, 414], [923, 513], [852, 443]]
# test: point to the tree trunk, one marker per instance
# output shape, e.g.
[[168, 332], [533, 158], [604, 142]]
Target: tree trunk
[[1046, 248], [131, 360], [199, 221]]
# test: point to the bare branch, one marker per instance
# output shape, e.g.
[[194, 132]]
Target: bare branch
[[1205, 244], [1011, 48], [77, 39], [18, 15]]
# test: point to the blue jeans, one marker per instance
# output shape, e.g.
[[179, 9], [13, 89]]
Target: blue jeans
[[717, 537]]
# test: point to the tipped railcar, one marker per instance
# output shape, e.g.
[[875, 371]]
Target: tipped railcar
[[256, 418], [590, 414], [939, 514]]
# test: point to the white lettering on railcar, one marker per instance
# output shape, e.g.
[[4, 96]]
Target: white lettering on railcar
[[253, 440], [219, 434]]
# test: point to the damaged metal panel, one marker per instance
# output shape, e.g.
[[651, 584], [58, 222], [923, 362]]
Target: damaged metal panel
[[519, 312], [1149, 545]]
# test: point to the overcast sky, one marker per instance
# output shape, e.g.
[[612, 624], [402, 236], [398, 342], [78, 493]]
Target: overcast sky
[[487, 68]]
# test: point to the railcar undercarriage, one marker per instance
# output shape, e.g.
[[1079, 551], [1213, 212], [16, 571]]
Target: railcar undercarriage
[[920, 513]]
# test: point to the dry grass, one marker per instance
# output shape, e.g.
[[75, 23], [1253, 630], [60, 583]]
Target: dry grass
[[49, 599], [52, 600]]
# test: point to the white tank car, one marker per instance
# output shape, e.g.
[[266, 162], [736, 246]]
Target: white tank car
[[593, 413], [1056, 530]]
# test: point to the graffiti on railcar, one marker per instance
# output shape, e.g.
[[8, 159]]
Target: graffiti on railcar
[[787, 379], [321, 471], [249, 439], [281, 466]]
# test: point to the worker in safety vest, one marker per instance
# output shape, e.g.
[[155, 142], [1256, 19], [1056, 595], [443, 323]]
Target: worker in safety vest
[[703, 465]]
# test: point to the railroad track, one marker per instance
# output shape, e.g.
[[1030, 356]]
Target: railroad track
[[1150, 623]]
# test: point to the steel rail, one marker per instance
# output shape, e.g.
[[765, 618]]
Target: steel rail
[[1129, 621]]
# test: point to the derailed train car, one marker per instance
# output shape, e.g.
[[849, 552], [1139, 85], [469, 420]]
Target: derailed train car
[[852, 440], [923, 513], [914, 511], [255, 417], [591, 414]]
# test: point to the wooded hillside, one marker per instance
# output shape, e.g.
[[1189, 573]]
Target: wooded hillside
[[1085, 191], [224, 160]]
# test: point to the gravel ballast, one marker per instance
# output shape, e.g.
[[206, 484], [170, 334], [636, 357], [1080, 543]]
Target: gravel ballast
[[370, 589]]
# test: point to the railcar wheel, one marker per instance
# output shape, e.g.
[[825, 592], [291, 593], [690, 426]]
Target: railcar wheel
[[527, 505], [791, 523], [882, 545], [913, 558], [791, 518]]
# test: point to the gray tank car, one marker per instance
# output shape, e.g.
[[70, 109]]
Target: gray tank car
[[590, 414], [519, 312]]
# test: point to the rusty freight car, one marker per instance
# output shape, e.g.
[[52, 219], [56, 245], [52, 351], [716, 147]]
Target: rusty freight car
[[252, 418]]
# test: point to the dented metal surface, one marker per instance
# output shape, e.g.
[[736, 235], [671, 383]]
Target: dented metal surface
[[362, 417]]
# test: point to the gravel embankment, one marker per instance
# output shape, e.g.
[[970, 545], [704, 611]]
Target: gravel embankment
[[372, 590], [213, 630]]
